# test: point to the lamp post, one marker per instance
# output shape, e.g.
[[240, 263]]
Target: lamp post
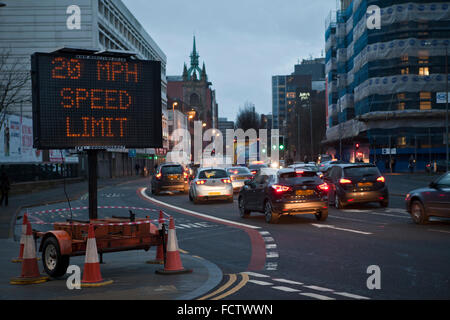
[[446, 108], [306, 96]]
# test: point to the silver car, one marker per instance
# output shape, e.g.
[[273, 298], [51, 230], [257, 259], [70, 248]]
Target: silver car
[[211, 184], [238, 177]]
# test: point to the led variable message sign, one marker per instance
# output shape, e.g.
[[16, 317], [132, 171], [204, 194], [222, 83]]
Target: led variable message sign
[[95, 101]]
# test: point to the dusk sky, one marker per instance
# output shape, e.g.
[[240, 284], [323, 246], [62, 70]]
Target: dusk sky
[[243, 43]]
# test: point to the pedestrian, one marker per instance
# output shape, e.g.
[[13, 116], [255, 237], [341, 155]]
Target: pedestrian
[[411, 164], [137, 167], [4, 186], [393, 162]]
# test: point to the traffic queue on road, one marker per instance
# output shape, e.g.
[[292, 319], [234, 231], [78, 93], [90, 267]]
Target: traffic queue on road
[[301, 188]]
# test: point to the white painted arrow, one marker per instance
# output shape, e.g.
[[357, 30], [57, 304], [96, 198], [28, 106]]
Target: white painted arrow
[[342, 229]]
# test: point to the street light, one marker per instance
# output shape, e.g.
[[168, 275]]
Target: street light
[[305, 96]]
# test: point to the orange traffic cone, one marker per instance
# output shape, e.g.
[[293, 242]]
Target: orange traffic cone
[[91, 272], [172, 264], [30, 270], [160, 250], [22, 239]]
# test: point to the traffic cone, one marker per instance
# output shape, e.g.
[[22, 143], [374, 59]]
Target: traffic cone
[[172, 264], [160, 250], [91, 273], [30, 270], [22, 239]]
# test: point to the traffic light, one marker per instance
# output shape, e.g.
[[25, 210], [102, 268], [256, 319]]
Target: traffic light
[[357, 146], [281, 142]]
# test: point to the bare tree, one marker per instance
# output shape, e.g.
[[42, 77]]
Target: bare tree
[[248, 118], [14, 77]]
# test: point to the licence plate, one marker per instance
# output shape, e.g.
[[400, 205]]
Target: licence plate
[[304, 192], [173, 176], [241, 178], [365, 184], [214, 193]]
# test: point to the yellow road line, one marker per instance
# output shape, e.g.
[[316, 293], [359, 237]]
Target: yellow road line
[[236, 288], [222, 288]]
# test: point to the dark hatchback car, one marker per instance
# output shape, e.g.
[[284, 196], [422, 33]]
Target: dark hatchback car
[[170, 177], [356, 183], [432, 201], [255, 168], [284, 192]]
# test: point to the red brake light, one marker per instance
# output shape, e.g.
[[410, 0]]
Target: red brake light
[[324, 187], [345, 181], [158, 176], [226, 180], [254, 172], [299, 171], [279, 188], [200, 182], [381, 179]]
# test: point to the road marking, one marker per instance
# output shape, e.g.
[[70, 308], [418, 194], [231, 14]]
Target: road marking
[[403, 216], [271, 266], [230, 281], [288, 281], [341, 229], [268, 239], [317, 296], [197, 213], [436, 230], [271, 254], [350, 295], [264, 233], [258, 275], [285, 289], [271, 246], [235, 289], [261, 283], [319, 288]]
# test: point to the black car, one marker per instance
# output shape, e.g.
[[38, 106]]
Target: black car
[[356, 183], [255, 168], [432, 201], [170, 177], [284, 192]]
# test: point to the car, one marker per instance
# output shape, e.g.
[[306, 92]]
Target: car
[[170, 177], [356, 183], [433, 200], [284, 192], [324, 166], [211, 184], [325, 157], [311, 166], [254, 168], [238, 177]]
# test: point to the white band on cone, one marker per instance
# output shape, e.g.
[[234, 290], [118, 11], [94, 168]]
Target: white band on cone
[[91, 251], [29, 250], [172, 243]]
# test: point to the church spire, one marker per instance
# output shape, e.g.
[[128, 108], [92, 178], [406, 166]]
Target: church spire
[[194, 68], [204, 76]]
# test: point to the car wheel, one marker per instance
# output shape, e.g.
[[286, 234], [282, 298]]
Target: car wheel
[[322, 215], [337, 202], [271, 217], [243, 212], [418, 213]]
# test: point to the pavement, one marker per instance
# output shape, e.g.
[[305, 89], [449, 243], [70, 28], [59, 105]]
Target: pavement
[[133, 277]]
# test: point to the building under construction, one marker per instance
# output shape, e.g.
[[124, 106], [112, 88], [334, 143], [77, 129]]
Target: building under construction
[[387, 83]]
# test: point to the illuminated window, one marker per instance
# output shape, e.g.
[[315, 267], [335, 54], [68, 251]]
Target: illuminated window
[[401, 96], [425, 100], [401, 106], [401, 141], [423, 60], [404, 58], [405, 70], [290, 95], [425, 71]]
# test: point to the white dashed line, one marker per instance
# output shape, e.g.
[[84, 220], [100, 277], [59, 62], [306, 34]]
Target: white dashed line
[[271, 246], [285, 289], [319, 288], [288, 281], [271, 254], [261, 283], [264, 233], [341, 229], [268, 239], [316, 296], [258, 275], [350, 295]]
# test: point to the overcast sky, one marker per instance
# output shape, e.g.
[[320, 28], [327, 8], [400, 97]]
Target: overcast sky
[[242, 42]]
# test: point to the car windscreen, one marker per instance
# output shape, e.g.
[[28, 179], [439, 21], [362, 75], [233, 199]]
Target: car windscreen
[[212, 174], [444, 181], [298, 177], [172, 170], [238, 171], [361, 171], [309, 168]]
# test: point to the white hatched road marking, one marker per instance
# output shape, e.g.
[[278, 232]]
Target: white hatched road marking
[[350, 295], [288, 281], [319, 288], [285, 289], [268, 239], [258, 275], [271, 254], [264, 233], [261, 283], [341, 229], [316, 296], [271, 246]]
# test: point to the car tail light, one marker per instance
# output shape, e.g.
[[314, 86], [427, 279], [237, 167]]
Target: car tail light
[[279, 188], [381, 179], [299, 171], [226, 180], [345, 181], [200, 182], [233, 178], [254, 172], [324, 187], [158, 176], [186, 175]]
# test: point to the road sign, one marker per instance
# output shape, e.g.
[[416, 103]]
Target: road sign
[[441, 97], [389, 151], [82, 100], [132, 153]]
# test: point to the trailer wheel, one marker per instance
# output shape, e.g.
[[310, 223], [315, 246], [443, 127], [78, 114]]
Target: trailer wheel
[[55, 264]]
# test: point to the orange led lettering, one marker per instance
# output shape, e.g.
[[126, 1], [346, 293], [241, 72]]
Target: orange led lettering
[[85, 127], [101, 68], [81, 95], [66, 94], [109, 134], [74, 69], [121, 120], [94, 98], [109, 97], [59, 68], [68, 134], [133, 73], [125, 100], [66, 68], [96, 123], [117, 67]]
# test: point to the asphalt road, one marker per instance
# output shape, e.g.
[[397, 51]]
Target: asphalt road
[[298, 258]]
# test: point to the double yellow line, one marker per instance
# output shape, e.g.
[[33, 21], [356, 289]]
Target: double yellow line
[[222, 292]]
